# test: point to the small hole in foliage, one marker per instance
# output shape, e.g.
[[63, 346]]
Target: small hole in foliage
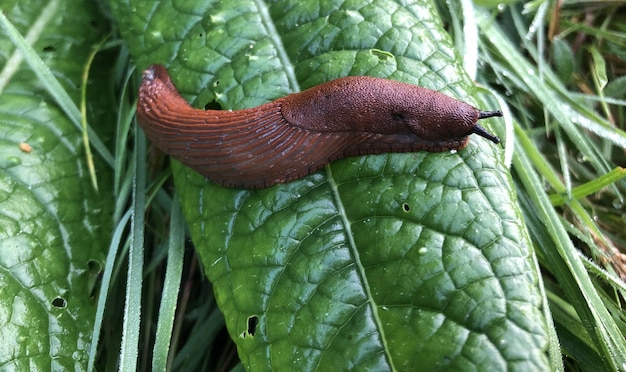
[[253, 321], [94, 279], [406, 207], [213, 105], [94, 266], [59, 302]]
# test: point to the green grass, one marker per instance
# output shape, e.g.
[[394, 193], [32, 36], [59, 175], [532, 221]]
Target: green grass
[[569, 145]]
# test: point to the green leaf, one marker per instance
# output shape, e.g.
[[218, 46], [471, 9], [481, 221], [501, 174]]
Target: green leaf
[[563, 59], [616, 88], [590, 187], [599, 67], [54, 227], [398, 261]]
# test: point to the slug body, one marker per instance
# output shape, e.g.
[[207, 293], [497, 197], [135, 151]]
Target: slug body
[[296, 135]]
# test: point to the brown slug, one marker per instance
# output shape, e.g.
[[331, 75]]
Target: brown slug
[[296, 135]]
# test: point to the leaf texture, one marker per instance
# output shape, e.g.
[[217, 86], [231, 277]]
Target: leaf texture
[[53, 226], [399, 261]]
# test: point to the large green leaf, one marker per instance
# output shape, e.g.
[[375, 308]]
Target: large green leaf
[[54, 227], [401, 261]]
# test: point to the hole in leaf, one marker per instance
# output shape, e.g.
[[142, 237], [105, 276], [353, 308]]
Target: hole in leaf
[[213, 105], [253, 321], [406, 207], [94, 279], [95, 267], [59, 302]]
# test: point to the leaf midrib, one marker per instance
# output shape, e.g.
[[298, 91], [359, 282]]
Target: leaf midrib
[[280, 47], [357, 261]]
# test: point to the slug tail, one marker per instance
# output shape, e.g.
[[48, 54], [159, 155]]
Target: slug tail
[[156, 72], [157, 85]]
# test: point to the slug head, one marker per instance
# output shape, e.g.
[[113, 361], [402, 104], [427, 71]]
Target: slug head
[[436, 117]]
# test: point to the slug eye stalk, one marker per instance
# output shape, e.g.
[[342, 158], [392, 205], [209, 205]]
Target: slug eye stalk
[[477, 129], [488, 114]]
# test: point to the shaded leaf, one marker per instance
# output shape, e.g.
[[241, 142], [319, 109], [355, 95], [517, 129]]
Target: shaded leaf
[[563, 59], [53, 226]]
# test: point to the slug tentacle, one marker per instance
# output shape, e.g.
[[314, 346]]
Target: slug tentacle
[[298, 134], [477, 129], [488, 114]]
